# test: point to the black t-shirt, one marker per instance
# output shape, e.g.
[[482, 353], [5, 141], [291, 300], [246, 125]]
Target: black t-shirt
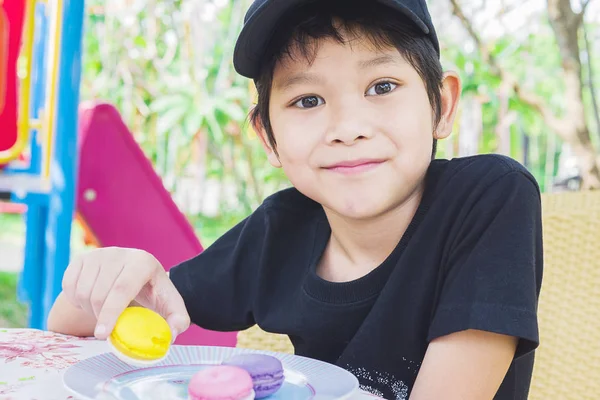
[[470, 259]]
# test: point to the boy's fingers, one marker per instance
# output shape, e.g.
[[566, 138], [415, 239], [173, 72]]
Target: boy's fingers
[[124, 289], [104, 283], [85, 285], [178, 324], [170, 305], [70, 278]]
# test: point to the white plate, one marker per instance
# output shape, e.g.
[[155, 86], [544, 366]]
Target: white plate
[[107, 377]]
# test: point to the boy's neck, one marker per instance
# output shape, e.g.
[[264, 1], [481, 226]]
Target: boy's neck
[[357, 247]]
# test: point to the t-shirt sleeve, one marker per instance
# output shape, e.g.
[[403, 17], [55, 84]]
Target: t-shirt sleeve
[[217, 286], [494, 269]]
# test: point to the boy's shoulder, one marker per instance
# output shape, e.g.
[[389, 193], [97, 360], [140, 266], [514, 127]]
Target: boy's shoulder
[[479, 172]]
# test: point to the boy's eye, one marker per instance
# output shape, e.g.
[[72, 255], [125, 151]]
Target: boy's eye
[[309, 102], [381, 88]]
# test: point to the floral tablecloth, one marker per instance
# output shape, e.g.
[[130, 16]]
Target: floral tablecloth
[[32, 363]]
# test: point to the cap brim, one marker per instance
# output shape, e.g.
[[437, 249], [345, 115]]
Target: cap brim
[[256, 33]]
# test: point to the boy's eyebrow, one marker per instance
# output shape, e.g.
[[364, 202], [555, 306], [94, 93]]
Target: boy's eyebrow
[[308, 78], [297, 79], [379, 60]]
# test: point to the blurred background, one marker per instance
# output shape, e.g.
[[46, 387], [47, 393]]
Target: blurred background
[[530, 68]]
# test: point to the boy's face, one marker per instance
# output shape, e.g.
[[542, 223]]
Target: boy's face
[[354, 129]]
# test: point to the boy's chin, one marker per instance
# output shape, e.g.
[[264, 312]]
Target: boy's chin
[[357, 209]]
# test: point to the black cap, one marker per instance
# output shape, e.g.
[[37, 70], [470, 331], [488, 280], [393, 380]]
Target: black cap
[[263, 16]]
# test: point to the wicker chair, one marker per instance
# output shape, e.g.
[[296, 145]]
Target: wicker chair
[[568, 360], [256, 338]]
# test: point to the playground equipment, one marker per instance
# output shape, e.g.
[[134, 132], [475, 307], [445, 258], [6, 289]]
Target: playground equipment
[[82, 162], [43, 121]]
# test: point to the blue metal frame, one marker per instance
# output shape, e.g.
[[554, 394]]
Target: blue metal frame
[[30, 288], [49, 216], [61, 204]]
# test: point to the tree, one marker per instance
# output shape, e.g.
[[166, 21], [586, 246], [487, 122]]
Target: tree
[[571, 125]]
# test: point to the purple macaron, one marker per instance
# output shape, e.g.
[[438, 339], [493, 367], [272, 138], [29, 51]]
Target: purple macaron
[[266, 372]]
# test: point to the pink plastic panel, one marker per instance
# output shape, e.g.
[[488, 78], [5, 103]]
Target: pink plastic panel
[[124, 203]]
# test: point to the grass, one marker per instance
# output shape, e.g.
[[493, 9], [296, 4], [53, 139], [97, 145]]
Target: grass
[[13, 228], [13, 314]]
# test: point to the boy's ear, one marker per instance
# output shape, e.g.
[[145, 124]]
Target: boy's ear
[[451, 90], [259, 128]]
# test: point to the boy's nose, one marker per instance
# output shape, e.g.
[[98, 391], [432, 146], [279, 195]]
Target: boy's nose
[[347, 137], [348, 127]]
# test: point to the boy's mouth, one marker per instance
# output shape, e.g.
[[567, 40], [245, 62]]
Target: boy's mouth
[[354, 166]]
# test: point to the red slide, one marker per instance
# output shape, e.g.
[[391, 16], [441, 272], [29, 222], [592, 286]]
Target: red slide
[[122, 202], [12, 13]]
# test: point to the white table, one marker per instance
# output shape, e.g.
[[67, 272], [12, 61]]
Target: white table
[[32, 363]]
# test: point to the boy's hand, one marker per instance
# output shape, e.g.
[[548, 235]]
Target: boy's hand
[[104, 282]]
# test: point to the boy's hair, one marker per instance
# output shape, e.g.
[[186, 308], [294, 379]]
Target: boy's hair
[[299, 33]]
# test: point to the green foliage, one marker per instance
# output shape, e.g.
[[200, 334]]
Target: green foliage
[[534, 60], [13, 314]]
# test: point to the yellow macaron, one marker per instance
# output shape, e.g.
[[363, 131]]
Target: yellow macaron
[[141, 337]]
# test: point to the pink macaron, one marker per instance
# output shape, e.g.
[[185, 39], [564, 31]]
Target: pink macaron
[[221, 383]]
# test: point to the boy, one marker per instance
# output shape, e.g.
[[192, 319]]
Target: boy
[[420, 277]]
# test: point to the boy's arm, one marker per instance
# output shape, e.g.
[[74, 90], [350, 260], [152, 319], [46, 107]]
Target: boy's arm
[[467, 365], [486, 308], [67, 319]]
